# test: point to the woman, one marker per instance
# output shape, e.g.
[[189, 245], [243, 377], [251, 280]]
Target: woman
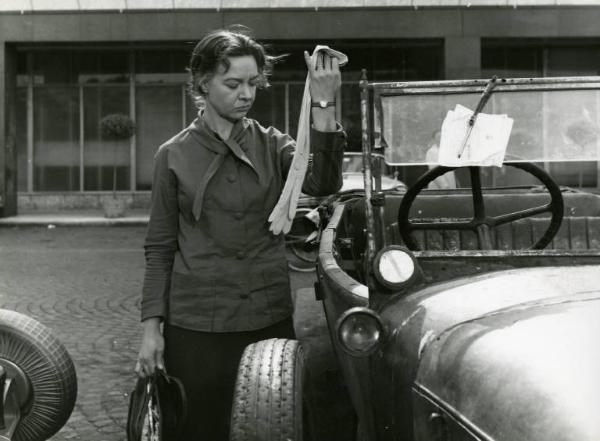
[[216, 277]]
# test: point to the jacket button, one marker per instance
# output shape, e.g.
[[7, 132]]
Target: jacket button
[[231, 178], [240, 254], [238, 215], [243, 296]]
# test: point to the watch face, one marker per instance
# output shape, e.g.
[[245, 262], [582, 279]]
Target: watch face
[[323, 104]]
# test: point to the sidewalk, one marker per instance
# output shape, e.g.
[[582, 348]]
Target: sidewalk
[[88, 218], [84, 284]]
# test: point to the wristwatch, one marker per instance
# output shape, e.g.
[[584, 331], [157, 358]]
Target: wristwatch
[[322, 104]]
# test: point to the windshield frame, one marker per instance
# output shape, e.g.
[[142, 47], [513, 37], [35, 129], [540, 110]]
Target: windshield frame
[[378, 91]]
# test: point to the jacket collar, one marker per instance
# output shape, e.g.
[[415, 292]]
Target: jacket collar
[[213, 142]]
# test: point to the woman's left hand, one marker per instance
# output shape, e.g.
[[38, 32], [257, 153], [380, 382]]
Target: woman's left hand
[[325, 77]]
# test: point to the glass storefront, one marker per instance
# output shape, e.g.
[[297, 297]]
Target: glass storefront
[[21, 139], [56, 139], [64, 92], [159, 113], [101, 155]]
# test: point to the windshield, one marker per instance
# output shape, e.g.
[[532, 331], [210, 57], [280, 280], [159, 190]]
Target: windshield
[[549, 125], [353, 163]]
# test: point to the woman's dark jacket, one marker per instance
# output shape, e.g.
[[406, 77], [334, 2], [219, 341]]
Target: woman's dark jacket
[[211, 262]]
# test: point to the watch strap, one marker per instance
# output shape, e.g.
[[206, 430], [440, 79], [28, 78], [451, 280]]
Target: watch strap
[[322, 104]]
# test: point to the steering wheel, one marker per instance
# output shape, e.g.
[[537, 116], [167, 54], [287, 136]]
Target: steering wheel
[[481, 223]]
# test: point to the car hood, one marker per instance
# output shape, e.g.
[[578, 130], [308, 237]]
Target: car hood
[[427, 313], [427, 325], [528, 372]]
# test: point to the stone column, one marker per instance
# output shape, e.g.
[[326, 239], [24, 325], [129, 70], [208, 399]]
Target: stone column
[[8, 122]]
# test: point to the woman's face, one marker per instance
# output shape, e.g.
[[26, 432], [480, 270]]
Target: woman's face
[[231, 93]]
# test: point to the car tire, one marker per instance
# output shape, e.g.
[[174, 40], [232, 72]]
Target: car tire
[[267, 403], [44, 374]]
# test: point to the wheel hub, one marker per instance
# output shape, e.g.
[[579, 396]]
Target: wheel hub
[[21, 384]]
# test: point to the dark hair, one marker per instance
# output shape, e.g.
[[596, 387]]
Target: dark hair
[[214, 50]]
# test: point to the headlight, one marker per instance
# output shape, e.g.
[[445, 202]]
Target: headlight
[[395, 267], [360, 331]]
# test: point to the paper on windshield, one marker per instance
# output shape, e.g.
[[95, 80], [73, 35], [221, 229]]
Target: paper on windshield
[[485, 145]]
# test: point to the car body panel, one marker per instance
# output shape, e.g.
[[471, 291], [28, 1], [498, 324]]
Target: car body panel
[[479, 370], [421, 318]]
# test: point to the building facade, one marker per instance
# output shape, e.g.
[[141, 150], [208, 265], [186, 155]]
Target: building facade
[[65, 64]]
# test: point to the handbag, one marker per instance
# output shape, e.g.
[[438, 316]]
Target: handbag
[[157, 409]]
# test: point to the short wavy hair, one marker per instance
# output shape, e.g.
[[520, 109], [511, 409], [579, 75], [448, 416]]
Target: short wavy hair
[[214, 50]]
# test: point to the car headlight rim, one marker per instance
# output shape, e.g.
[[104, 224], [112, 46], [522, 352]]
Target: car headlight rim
[[369, 317], [408, 264]]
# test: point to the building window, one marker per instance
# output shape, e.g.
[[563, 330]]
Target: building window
[[161, 66], [73, 88], [80, 66], [99, 154], [511, 61], [384, 60], [56, 139], [21, 139], [269, 106], [158, 118]]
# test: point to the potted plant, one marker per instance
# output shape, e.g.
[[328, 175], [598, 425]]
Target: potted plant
[[115, 128]]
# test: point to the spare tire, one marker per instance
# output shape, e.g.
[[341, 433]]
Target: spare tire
[[267, 403], [44, 374]]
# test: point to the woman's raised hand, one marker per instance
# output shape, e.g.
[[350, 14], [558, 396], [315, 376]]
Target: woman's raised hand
[[325, 77]]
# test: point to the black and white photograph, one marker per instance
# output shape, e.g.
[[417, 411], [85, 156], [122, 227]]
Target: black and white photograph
[[307, 220]]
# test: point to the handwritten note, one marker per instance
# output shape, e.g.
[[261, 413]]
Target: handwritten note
[[485, 145]]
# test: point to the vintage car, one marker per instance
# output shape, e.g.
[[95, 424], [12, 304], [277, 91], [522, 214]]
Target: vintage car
[[455, 314], [302, 242], [37, 380]]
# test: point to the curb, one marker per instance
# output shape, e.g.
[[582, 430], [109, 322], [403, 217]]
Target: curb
[[79, 221]]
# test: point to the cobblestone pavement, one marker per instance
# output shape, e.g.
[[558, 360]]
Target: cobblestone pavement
[[84, 284]]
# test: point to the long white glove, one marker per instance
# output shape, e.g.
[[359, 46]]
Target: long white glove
[[282, 216]]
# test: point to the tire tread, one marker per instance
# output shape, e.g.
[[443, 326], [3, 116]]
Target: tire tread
[[267, 399], [49, 368]]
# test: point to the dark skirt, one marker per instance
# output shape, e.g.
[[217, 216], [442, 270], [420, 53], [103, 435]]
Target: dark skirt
[[206, 363]]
